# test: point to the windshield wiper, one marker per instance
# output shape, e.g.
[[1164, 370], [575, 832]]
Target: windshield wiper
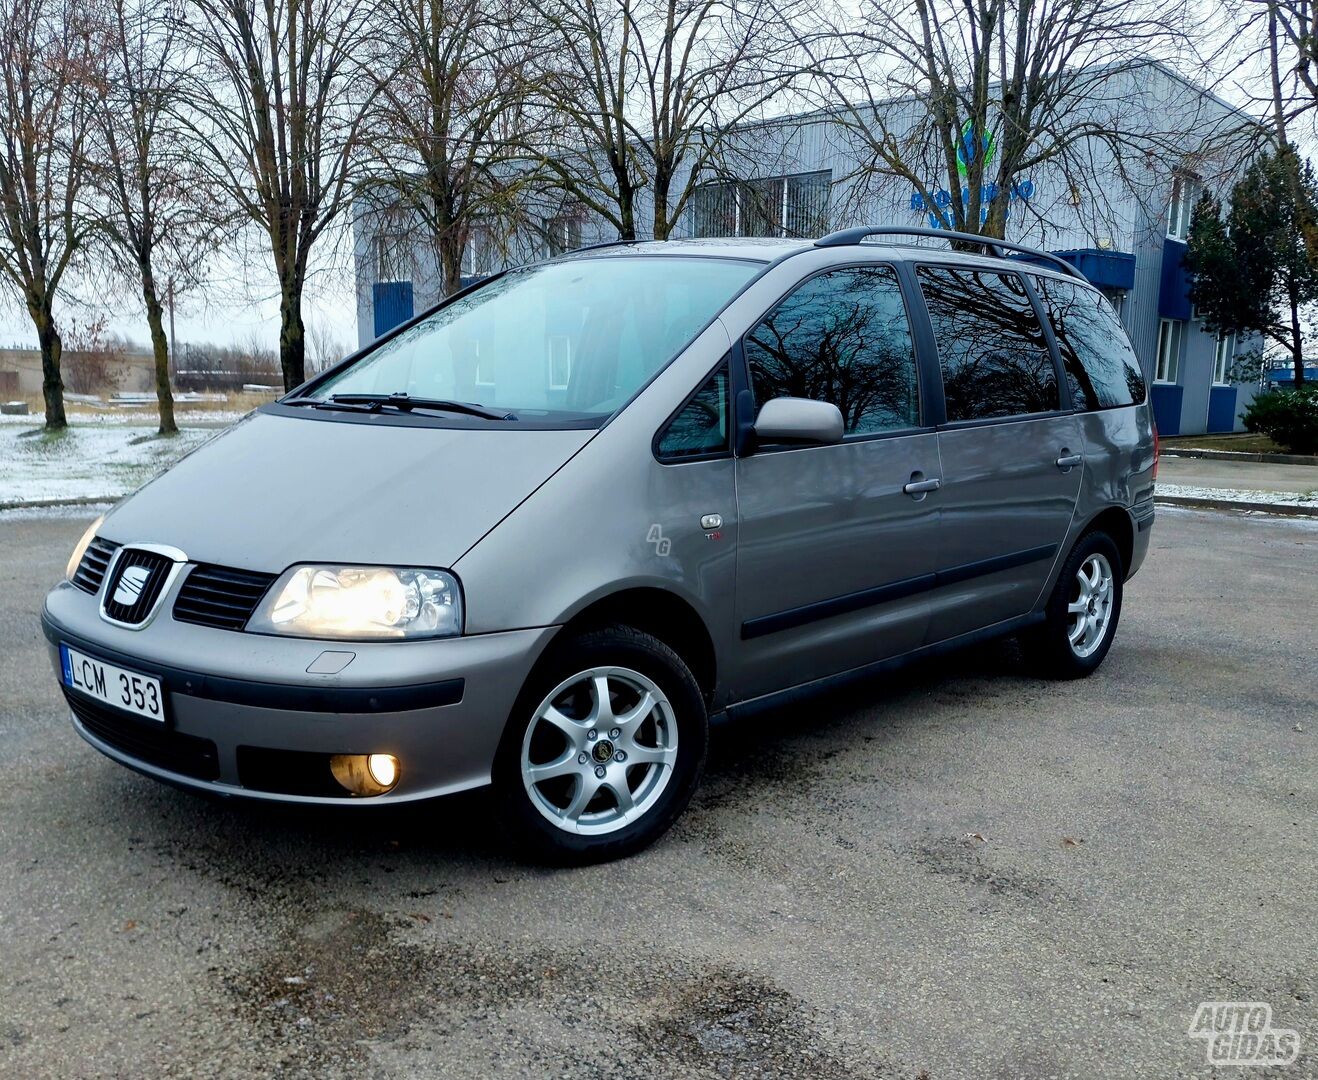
[[406, 402], [402, 402]]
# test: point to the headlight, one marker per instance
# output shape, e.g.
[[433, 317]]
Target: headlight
[[80, 548], [350, 602]]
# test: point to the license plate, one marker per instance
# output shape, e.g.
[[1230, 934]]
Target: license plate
[[128, 690]]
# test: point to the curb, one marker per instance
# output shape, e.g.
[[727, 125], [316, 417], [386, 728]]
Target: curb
[[1281, 509], [1241, 455], [46, 504]]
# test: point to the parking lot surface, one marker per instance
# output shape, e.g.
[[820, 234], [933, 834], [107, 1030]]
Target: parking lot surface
[[955, 871]]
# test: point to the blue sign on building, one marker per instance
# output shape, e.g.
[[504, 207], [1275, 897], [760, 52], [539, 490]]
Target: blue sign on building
[[942, 199]]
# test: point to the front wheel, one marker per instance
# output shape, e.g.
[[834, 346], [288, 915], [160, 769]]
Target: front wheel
[[604, 748], [1082, 612]]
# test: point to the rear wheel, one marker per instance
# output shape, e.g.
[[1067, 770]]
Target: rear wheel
[[1082, 612], [604, 748]]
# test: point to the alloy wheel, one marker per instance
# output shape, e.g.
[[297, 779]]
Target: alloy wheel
[[1090, 610], [599, 750]]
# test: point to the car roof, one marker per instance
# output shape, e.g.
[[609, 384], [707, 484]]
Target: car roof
[[771, 249], [765, 249]]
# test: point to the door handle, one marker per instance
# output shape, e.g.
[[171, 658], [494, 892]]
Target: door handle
[[919, 487], [1067, 461]]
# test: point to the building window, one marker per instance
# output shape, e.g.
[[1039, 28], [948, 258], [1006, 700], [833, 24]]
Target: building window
[[393, 256], [1170, 333], [1115, 297], [563, 234], [478, 256], [560, 362], [1223, 354], [484, 376], [1185, 193], [795, 206]]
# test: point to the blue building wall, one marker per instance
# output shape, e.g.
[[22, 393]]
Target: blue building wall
[[391, 303], [1167, 400], [1222, 411], [1174, 283]]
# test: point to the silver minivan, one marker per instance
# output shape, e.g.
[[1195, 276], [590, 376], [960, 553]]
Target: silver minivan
[[541, 535]]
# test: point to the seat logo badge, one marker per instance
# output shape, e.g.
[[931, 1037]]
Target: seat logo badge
[[131, 583]]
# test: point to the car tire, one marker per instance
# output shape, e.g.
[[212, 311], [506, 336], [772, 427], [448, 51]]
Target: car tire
[[1082, 612], [564, 760]]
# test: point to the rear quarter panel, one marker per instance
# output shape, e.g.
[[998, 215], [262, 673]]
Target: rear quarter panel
[[1118, 469]]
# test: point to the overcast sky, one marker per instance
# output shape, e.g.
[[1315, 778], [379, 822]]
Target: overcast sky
[[239, 302]]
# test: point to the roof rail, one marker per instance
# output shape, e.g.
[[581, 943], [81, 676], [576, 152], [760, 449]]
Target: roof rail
[[996, 247]]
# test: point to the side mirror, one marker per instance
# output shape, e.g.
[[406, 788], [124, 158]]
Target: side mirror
[[799, 420]]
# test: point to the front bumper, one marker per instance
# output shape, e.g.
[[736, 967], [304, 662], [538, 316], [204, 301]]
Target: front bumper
[[240, 707]]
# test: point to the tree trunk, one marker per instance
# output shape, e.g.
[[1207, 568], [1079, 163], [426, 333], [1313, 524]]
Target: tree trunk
[[292, 335], [662, 184], [1297, 349], [52, 386], [626, 204], [160, 347], [451, 250]]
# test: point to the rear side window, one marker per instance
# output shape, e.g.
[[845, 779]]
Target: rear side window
[[991, 347], [842, 337], [700, 428], [1101, 367]]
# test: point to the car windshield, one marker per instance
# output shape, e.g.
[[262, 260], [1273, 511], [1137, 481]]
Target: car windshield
[[563, 341]]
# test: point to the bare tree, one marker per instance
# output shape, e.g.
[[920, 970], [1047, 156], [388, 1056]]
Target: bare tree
[[44, 81], [326, 349], [588, 94], [651, 90], [450, 80], [93, 358], [1280, 38], [1289, 30], [280, 96], [154, 214], [967, 97]]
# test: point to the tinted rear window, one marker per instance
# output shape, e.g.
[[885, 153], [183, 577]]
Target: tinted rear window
[[991, 347], [1101, 367]]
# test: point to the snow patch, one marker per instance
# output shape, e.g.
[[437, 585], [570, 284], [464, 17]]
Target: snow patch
[[86, 461], [1270, 498]]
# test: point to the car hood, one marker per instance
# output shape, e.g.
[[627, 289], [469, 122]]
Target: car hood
[[274, 490]]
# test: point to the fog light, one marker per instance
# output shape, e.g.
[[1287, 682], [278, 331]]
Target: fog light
[[383, 769], [365, 774]]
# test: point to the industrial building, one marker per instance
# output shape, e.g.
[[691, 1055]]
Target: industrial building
[[1122, 218]]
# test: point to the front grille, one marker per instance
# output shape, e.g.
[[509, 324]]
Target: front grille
[[221, 597], [135, 585], [147, 740], [91, 570]]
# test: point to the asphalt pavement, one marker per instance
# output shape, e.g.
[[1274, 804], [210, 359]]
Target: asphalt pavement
[[955, 871]]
